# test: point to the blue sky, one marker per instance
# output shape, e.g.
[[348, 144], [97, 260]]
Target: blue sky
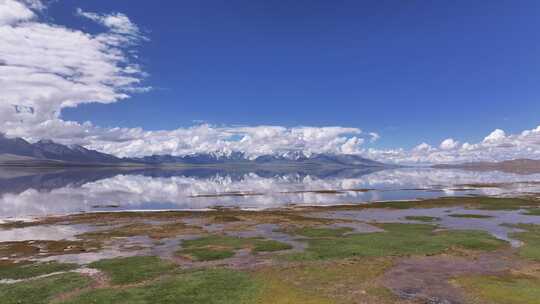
[[410, 70], [438, 81]]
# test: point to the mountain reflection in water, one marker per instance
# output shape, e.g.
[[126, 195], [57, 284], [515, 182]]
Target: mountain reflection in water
[[26, 193]]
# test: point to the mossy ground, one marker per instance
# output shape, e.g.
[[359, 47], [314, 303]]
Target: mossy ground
[[531, 239], [207, 253], [397, 240], [471, 216], [535, 211], [210, 286], [133, 269], [24, 270], [426, 219], [215, 247], [474, 202], [507, 289], [154, 231], [338, 265], [28, 249], [41, 291], [320, 232], [346, 281], [343, 281]]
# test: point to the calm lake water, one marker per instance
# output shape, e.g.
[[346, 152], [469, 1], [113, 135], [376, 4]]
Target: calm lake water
[[35, 193]]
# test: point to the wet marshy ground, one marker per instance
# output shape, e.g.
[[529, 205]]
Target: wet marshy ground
[[474, 249], [405, 235]]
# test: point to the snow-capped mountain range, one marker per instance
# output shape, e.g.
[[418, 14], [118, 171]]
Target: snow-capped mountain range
[[15, 151]]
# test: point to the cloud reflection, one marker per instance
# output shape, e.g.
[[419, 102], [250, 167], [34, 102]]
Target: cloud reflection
[[55, 193]]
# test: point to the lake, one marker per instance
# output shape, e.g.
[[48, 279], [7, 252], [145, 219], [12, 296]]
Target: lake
[[36, 193]]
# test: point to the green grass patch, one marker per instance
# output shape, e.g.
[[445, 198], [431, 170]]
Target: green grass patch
[[477, 202], [41, 291], [321, 232], [340, 281], [532, 212], [397, 240], [420, 218], [226, 219], [207, 254], [27, 249], [502, 290], [217, 240], [24, 270], [133, 269], [531, 238], [269, 246], [472, 216], [154, 231], [216, 286], [214, 247]]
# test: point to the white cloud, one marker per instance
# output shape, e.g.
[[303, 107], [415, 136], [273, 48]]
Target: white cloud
[[496, 136], [496, 146], [45, 68], [351, 146], [423, 147], [116, 22], [449, 144], [374, 136], [12, 11], [35, 4], [467, 146], [204, 138]]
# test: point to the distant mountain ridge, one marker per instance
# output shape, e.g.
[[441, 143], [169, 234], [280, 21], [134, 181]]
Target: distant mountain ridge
[[15, 151], [520, 166], [286, 159], [51, 151]]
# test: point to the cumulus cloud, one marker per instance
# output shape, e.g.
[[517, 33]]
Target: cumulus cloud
[[423, 147], [45, 68], [496, 136], [12, 11], [496, 146], [448, 144], [204, 138]]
